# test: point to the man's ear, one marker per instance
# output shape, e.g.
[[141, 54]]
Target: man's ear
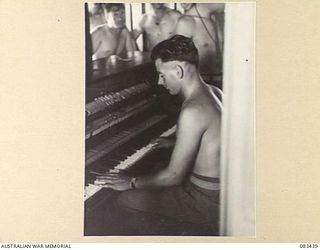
[[180, 72]]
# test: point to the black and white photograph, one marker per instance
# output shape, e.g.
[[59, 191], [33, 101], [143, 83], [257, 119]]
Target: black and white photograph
[[169, 119], [159, 124]]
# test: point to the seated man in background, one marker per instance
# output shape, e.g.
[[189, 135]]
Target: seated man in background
[[200, 23], [188, 188], [158, 25], [113, 37]]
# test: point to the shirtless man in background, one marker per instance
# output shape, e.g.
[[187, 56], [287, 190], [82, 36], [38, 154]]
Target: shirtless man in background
[[188, 188], [113, 37], [200, 23], [159, 25]]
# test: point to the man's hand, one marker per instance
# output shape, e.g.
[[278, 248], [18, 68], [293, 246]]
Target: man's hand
[[116, 181], [162, 142]]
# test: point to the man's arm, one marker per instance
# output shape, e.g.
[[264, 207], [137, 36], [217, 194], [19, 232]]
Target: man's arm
[[188, 137], [137, 32], [100, 48], [125, 42], [218, 27], [130, 43], [189, 132], [121, 42]]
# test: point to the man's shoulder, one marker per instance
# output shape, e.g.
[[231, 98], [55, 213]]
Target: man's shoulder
[[201, 109], [101, 32], [174, 13], [125, 31], [145, 16], [185, 26], [185, 19], [196, 117], [143, 20], [190, 119], [191, 110], [100, 29]]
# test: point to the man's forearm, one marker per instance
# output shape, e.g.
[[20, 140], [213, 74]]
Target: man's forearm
[[159, 179]]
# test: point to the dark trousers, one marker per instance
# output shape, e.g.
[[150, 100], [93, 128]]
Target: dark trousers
[[186, 203]]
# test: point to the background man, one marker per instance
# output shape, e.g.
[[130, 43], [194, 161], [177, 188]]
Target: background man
[[113, 37], [159, 25], [188, 188], [200, 22]]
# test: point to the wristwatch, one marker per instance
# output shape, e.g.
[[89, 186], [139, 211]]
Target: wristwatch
[[133, 183]]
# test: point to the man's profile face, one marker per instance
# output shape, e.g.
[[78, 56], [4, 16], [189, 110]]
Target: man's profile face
[[187, 6], [117, 17], [168, 77], [158, 9], [157, 6]]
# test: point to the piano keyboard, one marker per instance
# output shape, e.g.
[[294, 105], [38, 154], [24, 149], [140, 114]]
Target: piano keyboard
[[91, 189], [131, 160]]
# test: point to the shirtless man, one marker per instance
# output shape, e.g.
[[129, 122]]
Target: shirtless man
[[200, 23], [113, 37], [159, 25], [188, 188]]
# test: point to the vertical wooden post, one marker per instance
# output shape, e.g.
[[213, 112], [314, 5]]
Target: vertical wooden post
[[237, 213], [88, 44]]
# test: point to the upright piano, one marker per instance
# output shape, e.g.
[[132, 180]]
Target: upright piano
[[124, 112]]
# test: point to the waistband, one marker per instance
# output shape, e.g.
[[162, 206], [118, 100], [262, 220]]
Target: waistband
[[210, 183]]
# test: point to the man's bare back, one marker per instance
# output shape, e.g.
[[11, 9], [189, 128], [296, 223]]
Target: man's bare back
[[207, 115]]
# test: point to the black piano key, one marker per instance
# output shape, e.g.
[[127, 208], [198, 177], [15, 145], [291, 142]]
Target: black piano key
[[90, 178], [99, 167], [109, 162]]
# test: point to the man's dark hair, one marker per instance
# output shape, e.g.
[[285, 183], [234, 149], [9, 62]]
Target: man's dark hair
[[113, 6], [177, 48]]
